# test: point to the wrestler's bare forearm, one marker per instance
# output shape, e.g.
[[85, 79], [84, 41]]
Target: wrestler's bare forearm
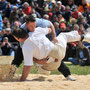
[[26, 70], [42, 61]]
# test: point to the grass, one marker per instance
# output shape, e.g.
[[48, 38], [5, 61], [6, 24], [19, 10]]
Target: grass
[[75, 69]]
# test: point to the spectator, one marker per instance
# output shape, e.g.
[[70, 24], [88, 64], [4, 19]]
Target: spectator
[[75, 13], [86, 12], [60, 18], [81, 29], [18, 3], [64, 2], [3, 4], [1, 34], [80, 16], [8, 10], [83, 6], [76, 27], [74, 44], [67, 13], [61, 7], [1, 23], [46, 16], [88, 20], [17, 23], [8, 25], [12, 1], [69, 27], [6, 47], [77, 2], [13, 14], [40, 2], [28, 1], [27, 8], [21, 16], [63, 27], [34, 15], [85, 24], [9, 36], [70, 3], [83, 55], [53, 6], [5, 21], [45, 10], [55, 19], [73, 21], [57, 29], [35, 12], [38, 9], [57, 12]]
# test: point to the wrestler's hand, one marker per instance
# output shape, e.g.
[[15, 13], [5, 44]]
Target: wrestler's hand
[[42, 61], [55, 40]]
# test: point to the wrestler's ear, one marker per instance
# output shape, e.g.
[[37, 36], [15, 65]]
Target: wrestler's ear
[[26, 24]]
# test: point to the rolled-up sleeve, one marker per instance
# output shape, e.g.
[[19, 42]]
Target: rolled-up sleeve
[[42, 23]]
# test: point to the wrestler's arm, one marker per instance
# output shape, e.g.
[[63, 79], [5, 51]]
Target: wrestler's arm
[[53, 32], [42, 61], [28, 62], [26, 70], [49, 24]]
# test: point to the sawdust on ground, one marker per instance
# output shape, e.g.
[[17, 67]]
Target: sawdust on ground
[[51, 82]]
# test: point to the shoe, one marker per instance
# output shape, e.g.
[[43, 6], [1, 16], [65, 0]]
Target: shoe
[[70, 78], [87, 37]]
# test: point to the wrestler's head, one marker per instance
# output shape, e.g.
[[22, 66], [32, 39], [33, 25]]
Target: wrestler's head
[[30, 23]]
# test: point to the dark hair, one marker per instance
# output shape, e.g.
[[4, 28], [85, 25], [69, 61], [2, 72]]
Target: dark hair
[[30, 18], [19, 33]]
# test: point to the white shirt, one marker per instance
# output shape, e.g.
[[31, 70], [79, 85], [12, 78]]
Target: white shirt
[[37, 46]]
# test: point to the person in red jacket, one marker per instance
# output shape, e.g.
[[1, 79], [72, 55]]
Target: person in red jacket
[[75, 13], [83, 5], [27, 8]]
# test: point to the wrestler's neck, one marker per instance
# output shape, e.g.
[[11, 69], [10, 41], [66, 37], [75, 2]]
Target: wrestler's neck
[[23, 40]]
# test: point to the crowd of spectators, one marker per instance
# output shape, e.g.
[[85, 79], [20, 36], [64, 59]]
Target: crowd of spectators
[[66, 15]]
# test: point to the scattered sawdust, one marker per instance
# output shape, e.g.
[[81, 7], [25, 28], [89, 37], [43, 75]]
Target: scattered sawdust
[[50, 82]]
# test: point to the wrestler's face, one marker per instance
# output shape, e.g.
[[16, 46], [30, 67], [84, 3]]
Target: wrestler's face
[[31, 26]]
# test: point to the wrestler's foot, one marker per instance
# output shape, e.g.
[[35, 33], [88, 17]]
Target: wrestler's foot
[[70, 78], [11, 72]]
